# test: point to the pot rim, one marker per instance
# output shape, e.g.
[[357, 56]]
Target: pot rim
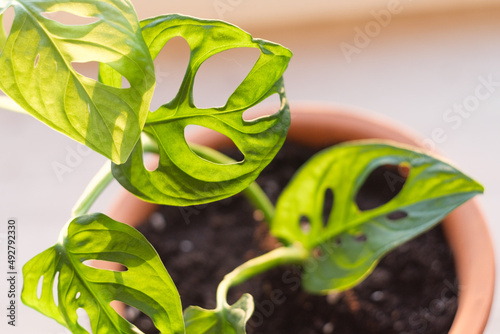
[[471, 243], [329, 123]]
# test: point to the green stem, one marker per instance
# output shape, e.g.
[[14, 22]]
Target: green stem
[[294, 254], [254, 192], [96, 186], [260, 201], [148, 144]]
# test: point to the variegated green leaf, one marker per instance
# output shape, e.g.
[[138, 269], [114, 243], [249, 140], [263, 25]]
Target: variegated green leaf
[[346, 247], [184, 178], [145, 284], [229, 320], [37, 71]]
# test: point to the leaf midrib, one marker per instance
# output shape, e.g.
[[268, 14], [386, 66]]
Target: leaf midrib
[[327, 235]]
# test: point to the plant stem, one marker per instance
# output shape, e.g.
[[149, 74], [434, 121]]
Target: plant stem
[[148, 144], [96, 186], [260, 201], [253, 192], [279, 256]]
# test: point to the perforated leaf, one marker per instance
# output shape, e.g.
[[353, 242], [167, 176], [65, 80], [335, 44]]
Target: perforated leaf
[[349, 245], [37, 71], [144, 285], [183, 178], [229, 320]]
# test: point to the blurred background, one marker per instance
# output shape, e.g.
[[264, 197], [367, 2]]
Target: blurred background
[[417, 62]]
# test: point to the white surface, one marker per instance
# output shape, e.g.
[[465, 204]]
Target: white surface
[[413, 70]]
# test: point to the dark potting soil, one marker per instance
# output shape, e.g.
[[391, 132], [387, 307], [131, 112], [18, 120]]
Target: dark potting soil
[[412, 290]]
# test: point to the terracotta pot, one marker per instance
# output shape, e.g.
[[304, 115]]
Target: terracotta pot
[[465, 228]]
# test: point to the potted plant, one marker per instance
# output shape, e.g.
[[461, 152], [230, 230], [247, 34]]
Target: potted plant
[[112, 117], [319, 125]]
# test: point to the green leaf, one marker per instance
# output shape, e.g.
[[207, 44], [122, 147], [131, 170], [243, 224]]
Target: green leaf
[[37, 71], [229, 320], [144, 285], [184, 178], [347, 248]]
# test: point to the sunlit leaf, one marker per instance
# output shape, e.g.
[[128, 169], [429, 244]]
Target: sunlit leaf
[[184, 178], [229, 320], [145, 284], [37, 71], [346, 247]]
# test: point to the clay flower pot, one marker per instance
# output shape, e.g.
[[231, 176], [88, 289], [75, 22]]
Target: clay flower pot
[[465, 228]]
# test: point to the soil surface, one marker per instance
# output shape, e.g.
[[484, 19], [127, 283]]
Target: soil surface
[[412, 290]]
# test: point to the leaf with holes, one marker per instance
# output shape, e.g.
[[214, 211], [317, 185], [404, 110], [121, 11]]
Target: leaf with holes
[[37, 71], [145, 284], [231, 319], [347, 244], [182, 177]]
